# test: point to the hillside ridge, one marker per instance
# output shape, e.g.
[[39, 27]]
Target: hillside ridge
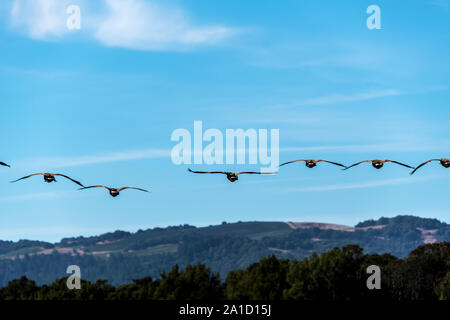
[[121, 256]]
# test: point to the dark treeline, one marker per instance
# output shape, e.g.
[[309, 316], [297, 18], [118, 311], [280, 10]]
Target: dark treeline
[[339, 274]]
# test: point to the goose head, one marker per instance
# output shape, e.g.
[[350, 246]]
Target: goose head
[[377, 164], [310, 163], [114, 192], [232, 177], [445, 163], [49, 178]]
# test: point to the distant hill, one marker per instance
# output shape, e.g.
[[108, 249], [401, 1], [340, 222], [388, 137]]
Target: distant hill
[[122, 256]]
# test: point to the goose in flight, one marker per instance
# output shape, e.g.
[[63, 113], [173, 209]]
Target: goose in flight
[[444, 162], [49, 177], [4, 164], [378, 164], [113, 191], [313, 163], [232, 176]]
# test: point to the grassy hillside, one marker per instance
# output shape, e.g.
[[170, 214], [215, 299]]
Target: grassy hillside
[[122, 256]]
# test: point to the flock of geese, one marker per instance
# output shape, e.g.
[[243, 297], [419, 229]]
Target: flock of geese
[[377, 164], [234, 176], [50, 177]]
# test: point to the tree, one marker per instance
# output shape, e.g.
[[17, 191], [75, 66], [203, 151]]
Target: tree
[[193, 283], [264, 280], [20, 289], [336, 275]]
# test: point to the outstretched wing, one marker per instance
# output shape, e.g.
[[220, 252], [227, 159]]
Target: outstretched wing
[[335, 163], [93, 187], [402, 164], [222, 172], [132, 188], [425, 163], [4, 164], [291, 162], [62, 175], [31, 175], [357, 164]]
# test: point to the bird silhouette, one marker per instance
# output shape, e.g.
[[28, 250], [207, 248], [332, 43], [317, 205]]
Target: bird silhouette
[[49, 177], [114, 192], [312, 163], [231, 176], [378, 164], [4, 164], [444, 162]]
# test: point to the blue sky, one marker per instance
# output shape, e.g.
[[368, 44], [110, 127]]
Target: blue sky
[[100, 104]]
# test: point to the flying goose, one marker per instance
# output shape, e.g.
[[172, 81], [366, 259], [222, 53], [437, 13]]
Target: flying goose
[[49, 177], [4, 164], [378, 164], [232, 176], [313, 163], [113, 191], [444, 162]]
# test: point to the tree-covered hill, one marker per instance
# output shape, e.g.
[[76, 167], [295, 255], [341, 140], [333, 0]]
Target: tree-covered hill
[[336, 275], [122, 256]]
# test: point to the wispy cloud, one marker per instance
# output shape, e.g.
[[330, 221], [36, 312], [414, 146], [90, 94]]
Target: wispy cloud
[[133, 24], [131, 155], [53, 233], [376, 147], [440, 3], [146, 26], [360, 185], [336, 99], [340, 98], [33, 196], [311, 53], [63, 162]]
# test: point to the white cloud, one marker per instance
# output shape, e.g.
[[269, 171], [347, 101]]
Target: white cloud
[[134, 24], [40, 19], [146, 26]]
